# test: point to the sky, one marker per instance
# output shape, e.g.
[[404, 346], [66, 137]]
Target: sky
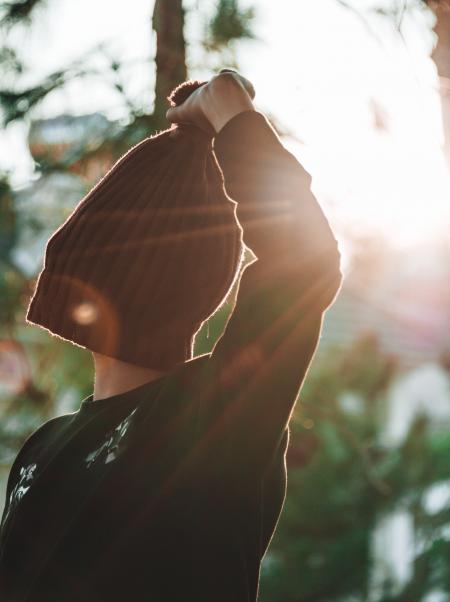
[[317, 67]]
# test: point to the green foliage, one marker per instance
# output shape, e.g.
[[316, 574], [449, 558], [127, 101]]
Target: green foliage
[[341, 481], [18, 11], [40, 368], [8, 232], [230, 23], [12, 281], [10, 62], [17, 104], [213, 328]]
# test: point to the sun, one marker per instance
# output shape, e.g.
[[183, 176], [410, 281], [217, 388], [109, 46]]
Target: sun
[[366, 117]]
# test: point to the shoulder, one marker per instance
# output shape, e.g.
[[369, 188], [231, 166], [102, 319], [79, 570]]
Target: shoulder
[[46, 429], [39, 438]]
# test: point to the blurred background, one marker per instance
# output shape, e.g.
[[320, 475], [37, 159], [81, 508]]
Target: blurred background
[[359, 91]]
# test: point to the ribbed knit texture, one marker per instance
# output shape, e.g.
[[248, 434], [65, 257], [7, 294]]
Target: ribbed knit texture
[[146, 256]]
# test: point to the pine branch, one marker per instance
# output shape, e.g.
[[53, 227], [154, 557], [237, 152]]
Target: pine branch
[[19, 11]]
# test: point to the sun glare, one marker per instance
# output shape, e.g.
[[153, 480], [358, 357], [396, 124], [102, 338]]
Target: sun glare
[[365, 118]]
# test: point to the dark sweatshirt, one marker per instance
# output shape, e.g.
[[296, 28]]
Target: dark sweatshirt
[[171, 491]]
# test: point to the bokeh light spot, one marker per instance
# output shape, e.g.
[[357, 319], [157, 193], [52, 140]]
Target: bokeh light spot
[[85, 313]]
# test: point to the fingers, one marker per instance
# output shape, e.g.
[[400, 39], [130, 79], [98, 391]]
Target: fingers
[[172, 114], [244, 81], [182, 113], [176, 114]]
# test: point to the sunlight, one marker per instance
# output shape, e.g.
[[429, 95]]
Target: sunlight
[[396, 187], [367, 118]]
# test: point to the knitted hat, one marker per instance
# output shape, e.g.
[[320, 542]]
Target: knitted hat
[[147, 255]]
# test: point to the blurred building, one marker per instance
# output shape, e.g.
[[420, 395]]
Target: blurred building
[[78, 144], [405, 302], [42, 207], [73, 153]]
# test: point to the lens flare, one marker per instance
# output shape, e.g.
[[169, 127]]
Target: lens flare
[[15, 371], [85, 313]]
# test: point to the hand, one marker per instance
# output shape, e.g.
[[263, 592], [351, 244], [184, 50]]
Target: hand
[[213, 104]]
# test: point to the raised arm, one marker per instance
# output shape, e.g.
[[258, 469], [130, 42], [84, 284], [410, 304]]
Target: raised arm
[[259, 363]]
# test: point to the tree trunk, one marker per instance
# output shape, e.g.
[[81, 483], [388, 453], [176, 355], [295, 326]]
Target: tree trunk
[[168, 23], [441, 56]]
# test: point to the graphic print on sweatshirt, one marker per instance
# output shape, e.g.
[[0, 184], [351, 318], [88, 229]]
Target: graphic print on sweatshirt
[[26, 476], [114, 444]]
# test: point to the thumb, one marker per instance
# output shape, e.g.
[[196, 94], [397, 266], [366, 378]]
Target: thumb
[[172, 115]]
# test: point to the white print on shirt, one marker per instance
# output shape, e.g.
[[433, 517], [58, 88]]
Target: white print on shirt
[[27, 474], [113, 446]]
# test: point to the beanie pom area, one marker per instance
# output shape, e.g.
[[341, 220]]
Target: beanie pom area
[[179, 95], [183, 91]]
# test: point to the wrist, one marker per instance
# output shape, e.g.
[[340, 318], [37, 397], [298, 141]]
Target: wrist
[[227, 98], [221, 120]]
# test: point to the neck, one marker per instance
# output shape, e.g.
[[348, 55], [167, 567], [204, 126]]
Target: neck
[[113, 377]]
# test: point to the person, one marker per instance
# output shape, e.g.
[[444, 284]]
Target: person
[[167, 484]]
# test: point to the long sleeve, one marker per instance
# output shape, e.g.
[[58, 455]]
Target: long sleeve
[[261, 360]]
